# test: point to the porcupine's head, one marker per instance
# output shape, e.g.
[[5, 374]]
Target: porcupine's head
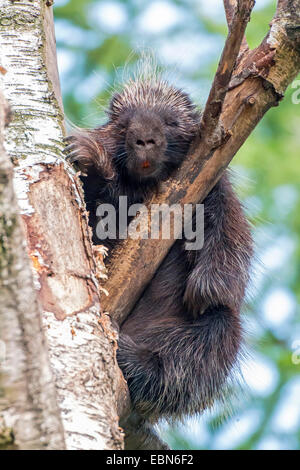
[[155, 123]]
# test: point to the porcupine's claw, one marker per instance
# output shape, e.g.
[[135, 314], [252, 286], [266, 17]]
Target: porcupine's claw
[[68, 138], [72, 156], [70, 151], [69, 148]]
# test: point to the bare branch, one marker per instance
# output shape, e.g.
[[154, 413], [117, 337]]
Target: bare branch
[[230, 7], [213, 107]]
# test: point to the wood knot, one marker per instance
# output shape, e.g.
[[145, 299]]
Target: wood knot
[[250, 100]]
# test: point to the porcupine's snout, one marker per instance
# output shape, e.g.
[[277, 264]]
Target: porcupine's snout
[[146, 144]]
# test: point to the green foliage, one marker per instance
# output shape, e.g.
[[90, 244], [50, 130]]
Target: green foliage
[[92, 54]]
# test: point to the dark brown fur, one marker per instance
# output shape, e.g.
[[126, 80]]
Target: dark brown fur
[[182, 340]]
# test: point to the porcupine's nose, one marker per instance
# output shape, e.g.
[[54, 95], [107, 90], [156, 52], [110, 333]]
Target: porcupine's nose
[[147, 143], [145, 133], [146, 146]]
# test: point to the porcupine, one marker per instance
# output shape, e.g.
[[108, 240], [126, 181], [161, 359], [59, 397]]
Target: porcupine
[[181, 342]]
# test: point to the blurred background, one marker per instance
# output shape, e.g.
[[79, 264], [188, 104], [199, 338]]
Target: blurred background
[[96, 39]]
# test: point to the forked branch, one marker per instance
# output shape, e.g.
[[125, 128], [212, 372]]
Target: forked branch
[[257, 83]]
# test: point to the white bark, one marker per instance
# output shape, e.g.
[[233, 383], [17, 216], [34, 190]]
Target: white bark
[[29, 415], [81, 343]]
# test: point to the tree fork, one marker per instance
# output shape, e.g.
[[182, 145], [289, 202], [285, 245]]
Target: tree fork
[[258, 83]]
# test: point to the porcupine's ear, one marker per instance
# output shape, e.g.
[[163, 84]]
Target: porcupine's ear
[[115, 106], [88, 149]]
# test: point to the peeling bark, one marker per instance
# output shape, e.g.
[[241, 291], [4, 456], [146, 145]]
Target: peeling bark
[[81, 341]]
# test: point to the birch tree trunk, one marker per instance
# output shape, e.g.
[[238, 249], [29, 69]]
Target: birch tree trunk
[[80, 339], [29, 415]]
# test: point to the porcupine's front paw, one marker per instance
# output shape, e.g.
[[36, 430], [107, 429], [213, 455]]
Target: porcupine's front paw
[[195, 304], [204, 292]]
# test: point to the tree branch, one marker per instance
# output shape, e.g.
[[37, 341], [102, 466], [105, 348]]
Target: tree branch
[[271, 67], [213, 108], [230, 6]]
